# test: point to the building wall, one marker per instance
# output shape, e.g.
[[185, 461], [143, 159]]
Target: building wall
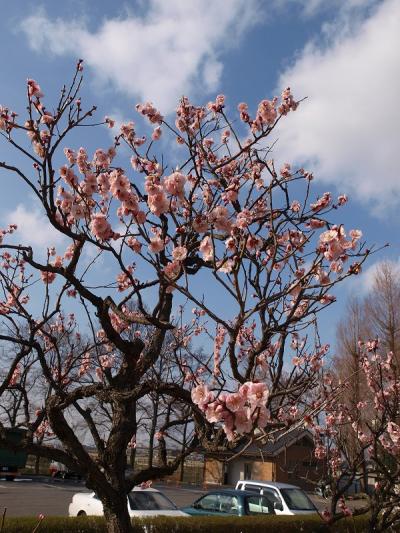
[[295, 465], [298, 466], [213, 472], [240, 468], [235, 471], [265, 471]]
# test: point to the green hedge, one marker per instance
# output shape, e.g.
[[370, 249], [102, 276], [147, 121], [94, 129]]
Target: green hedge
[[200, 524]]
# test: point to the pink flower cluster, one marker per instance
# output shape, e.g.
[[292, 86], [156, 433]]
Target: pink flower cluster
[[239, 412], [15, 376], [334, 245], [149, 111], [218, 343], [267, 111]]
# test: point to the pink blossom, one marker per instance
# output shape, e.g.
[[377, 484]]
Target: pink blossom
[[156, 245], [175, 184], [394, 432], [219, 218], [34, 89], [15, 376], [128, 131], [149, 111], [225, 136], [320, 451], [119, 184], [288, 103], [355, 234], [234, 401], [201, 395], [315, 223], [134, 244], [109, 121], [257, 394], [253, 243], [172, 269], [218, 105], [48, 277], [47, 118], [206, 249], [243, 422], [266, 113], [100, 227], [285, 171], [179, 253], [323, 202], [156, 135], [295, 206], [200, 224], [158, 202], [244, 219]]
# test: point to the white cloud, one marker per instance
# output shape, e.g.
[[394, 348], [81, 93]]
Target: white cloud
[[173, 48], [33, 228], [366, 281], [349, 128]]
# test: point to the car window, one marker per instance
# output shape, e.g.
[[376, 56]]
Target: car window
[[258, 505], [228, 504], [208, 503], [149, 501], [271, 495], [297, 500], [252, 488]]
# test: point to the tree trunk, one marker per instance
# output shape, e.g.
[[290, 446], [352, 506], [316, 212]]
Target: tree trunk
[[182, 472], [117, 517], [132, 458], [153, 431], [37, 464]]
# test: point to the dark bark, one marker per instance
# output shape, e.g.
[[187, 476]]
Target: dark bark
[[182, 472], [153, 427], [37, 464], [117, 515]]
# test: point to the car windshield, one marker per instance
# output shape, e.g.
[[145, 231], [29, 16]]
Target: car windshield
[[150, 501], [297, 500]]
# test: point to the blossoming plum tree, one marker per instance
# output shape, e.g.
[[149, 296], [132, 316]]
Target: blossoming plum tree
[[223, 250], [365, 434]]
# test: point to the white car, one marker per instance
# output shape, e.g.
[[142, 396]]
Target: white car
[[141, 503], [287, 499]]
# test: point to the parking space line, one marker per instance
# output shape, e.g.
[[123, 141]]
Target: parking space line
[[54, 486]]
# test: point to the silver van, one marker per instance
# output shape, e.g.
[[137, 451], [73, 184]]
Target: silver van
[[287, 499]]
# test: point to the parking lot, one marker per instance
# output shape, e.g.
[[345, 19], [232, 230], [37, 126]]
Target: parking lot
[[30, 497], [25, 497]]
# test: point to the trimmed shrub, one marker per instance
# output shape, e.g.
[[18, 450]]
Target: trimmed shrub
[[195, 524], [57, 524]]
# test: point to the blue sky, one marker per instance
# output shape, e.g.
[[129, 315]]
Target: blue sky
[[342, 55]]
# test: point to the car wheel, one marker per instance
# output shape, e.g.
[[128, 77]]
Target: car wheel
[[10, 478], [81, 513]]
